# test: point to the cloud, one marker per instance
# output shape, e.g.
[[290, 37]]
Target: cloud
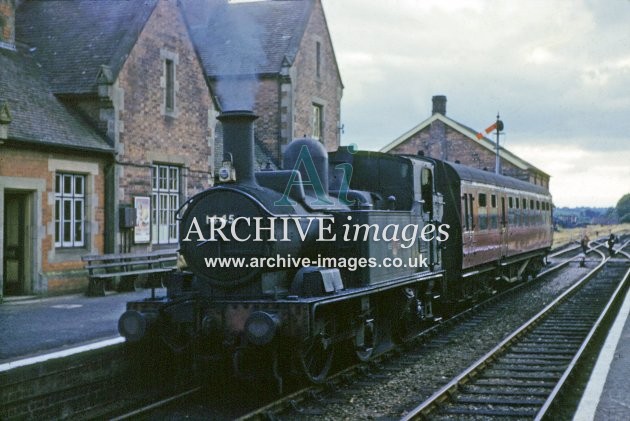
[[581, 177], [557, 71]]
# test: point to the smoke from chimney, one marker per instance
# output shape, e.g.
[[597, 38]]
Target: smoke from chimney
[[236, 34]]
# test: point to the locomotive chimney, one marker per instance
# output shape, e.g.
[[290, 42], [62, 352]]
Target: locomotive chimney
[[439, 104], [238, 141]]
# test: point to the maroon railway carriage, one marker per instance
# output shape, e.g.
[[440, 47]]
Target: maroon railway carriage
[[501, 228]]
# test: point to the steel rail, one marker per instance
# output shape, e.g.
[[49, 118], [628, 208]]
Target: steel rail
[[557, 390], [156, 405], [307, 393], [444, 393]]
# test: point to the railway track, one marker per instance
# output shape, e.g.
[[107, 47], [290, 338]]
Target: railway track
[[524, 375], [312, 401], [305, 402]]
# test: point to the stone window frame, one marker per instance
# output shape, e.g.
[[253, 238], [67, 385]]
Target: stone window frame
[[90, 170], [169, 57]]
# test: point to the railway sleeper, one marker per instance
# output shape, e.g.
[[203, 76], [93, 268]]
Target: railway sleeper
[[499, 382], [498, 401], [476, 411], [529, 368], [480, 390], [538, 376]]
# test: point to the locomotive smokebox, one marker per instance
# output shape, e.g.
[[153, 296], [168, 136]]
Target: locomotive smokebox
[[238, 142]]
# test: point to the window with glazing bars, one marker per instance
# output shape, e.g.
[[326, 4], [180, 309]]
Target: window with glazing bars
[[69, 210], [164, 204]]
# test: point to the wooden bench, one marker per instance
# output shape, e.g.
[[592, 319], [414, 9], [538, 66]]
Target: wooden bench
[[128, 266]]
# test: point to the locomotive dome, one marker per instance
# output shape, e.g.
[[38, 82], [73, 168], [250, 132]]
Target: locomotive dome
[[317, 154]]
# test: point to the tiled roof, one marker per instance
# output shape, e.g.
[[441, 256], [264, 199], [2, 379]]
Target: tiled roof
[[247, 38], [36, 114], [72, 39]]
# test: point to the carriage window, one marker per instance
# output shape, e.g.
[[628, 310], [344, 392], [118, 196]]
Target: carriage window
[[483, 212], [493, 212], [467, 213], [427, 190]]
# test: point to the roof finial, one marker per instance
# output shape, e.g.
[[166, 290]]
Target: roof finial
[[5, 119]]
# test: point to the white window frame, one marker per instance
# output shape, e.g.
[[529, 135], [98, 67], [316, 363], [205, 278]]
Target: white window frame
[[317, 122], [165, 192], [69, 225]]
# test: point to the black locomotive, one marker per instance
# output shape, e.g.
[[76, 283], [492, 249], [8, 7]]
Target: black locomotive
[[352, 247]]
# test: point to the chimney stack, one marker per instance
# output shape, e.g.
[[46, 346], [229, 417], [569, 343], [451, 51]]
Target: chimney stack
[[7, 24], [439, 104]]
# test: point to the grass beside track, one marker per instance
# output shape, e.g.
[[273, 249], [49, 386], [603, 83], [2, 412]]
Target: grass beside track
[[573, 235]]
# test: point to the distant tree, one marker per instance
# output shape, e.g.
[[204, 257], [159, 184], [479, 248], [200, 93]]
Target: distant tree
[[623, 208]]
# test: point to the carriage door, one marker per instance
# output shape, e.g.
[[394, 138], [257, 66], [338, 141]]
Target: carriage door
[[467, 228], [504, 228], [15, 243]]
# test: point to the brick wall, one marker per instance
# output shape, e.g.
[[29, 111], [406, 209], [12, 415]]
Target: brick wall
[[59, 269], [441, 141], [92, 385], [267, 108], [149, 136], [285, 106], [324, 90], [7, 22]]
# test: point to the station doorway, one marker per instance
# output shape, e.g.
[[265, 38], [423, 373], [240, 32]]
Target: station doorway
[[17, 248]]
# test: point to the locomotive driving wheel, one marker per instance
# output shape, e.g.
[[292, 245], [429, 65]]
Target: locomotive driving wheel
[[315, 354]]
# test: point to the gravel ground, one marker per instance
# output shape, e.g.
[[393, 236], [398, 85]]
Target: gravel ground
[[447, 355]]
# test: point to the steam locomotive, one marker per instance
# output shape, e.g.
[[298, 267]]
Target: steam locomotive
[[351, 248]]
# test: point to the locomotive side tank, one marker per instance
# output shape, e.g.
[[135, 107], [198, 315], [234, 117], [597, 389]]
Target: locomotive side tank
[[288, 265]]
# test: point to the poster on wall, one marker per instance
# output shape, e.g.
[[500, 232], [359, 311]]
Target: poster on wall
[[142, 231]]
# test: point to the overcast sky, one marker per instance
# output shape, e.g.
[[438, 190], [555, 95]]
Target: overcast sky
[[558, 72]]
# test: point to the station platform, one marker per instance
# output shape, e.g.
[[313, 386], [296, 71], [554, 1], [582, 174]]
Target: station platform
[[32, 327], [607, 394]]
